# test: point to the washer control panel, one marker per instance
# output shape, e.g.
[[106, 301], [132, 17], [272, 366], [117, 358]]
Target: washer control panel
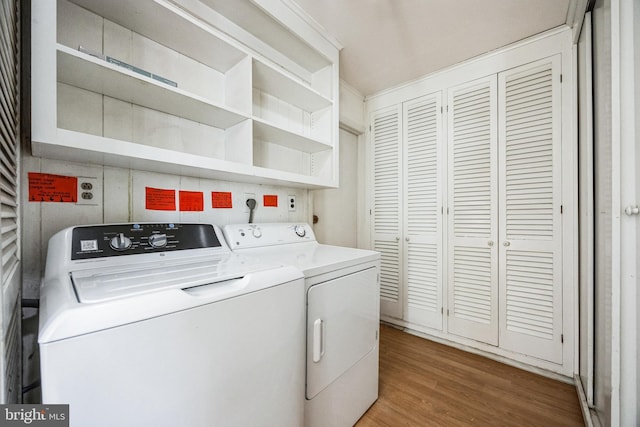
[[97, 241], [242, 236]]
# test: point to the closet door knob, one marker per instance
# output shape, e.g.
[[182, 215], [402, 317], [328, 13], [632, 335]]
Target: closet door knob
[[490, 243], [632, 210], [406, 238], [507, 243], [397, 239]]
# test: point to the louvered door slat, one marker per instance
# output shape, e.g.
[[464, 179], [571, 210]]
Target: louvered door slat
[[530, 275], [472, 221], [422, 136], [387, 207]]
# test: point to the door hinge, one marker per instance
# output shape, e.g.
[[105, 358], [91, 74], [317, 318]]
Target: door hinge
[[370, 211], [560, 78], [376, 335], [441, 310], [562, 338], [561, 209], [447, 312]]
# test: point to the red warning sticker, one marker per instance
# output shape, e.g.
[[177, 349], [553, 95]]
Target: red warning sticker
[[221, 200], [158, 199], [191, 201], [46, 187], [270, 200]]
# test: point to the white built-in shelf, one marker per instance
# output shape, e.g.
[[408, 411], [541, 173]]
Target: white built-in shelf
[[266, 132], [269, 80], [252, 16], [96, 75], [256, 96], [171, 26]]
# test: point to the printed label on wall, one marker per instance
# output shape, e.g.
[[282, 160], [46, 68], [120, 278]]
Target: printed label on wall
[[221, 200], [270, 200], [191, 201], [45, 187], [158, 199]]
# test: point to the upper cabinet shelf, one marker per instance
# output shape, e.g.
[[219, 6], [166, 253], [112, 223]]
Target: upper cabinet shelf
[[96, 75], [244, 91], [268, 79]]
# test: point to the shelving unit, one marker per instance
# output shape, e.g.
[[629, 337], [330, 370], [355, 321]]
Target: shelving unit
[[242, 109]]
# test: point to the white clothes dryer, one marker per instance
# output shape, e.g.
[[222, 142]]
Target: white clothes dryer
[[342, 299], [162, 325]]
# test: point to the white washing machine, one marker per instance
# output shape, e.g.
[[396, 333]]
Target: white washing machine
[[342, 298], [162, 325]]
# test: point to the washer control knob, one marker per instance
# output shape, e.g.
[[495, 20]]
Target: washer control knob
[[300, 230], [120, 242], [256, 233], [158, 240]]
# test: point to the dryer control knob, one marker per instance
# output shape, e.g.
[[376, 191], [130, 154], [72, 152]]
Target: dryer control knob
[[120, 242], [158, 240], [256, 233], [300, 230]]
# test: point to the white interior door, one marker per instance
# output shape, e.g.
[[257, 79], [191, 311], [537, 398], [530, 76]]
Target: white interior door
[[530, 210], [473, 213], [387, 207], [423, 166]]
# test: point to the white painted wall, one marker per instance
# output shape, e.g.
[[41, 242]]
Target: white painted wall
[[340, 210], [337, 209]]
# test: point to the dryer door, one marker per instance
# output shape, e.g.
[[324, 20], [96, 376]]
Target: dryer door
[[342, 326]]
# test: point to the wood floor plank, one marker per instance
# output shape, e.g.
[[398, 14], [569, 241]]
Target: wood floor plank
[[423, 383]]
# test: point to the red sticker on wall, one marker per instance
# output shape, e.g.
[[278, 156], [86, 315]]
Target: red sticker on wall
[[45, 187], [158, 199], [270, 200], [221, 199], [191, 201]]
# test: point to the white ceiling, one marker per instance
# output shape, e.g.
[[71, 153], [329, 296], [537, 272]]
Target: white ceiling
[[388, 42]]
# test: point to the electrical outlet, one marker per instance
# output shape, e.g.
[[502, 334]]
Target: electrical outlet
[[88, 191], [248, 196], [291, 202]]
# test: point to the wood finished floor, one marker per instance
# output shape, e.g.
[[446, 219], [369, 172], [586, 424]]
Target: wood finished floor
[[423, 383]]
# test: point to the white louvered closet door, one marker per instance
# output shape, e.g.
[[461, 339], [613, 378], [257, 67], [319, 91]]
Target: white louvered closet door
[[530, 210], [423, 176], [10, 268], [387, 207], [473, 212]]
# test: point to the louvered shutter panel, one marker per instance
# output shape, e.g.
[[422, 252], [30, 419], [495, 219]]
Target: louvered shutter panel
[[422, 135], [530, 254], [9, 242], [387, 207], [472, 220]]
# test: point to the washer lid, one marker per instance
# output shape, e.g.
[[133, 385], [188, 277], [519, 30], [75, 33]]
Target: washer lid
[[98, 285]]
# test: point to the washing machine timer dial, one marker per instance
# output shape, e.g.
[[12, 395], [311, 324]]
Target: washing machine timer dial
[[300, 230], [120, 242], [158, 240]]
